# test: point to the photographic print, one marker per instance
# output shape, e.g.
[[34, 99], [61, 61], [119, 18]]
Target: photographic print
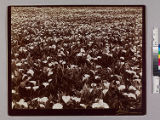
[[76, 60]]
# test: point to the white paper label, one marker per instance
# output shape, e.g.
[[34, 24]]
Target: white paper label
[[156, 84]]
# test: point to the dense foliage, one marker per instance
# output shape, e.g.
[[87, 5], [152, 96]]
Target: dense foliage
[[64, 58]]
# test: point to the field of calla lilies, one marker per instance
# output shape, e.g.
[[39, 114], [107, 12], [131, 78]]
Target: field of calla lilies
[[76, 57]]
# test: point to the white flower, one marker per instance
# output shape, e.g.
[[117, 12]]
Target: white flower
[[16, 55], [124, 51], [132, 88], [98, 66], [109, 54], [57, 106], [53, 46], [132, 108], [13, 91], [35, 88], [135, 76], [95, 58], [85, 77], [43, 100], [135, 68], [137, 80], [41, 106], [90, 43], [66, 99], [30, 71], [20, 70], [100, 104], [12, 76], [82, 50], [49, 80], [60, 61], [18, 64], [73, 66], [54, 63], [121, 87], [67, 52], [93, 84], [96, 105], [122, 58], [31, 47], [50, 73], [117, 82], [89, 57], [90, 90], [50, 64], [105, 91], [33, 82], [76, 99], [23, 103], [79, 54], [140, 74], [61, 53], [13, 104], [132, 95], [45, 84], [131, 72], [125, 94], [16, 73], [35, 64], [109, 69], [122, 63], [99, 57], [35, 99], [65, 44], [83, 105], [45, 61], [117, 76], [97, 77], [105, 105], [48, 57], [106, 84], [94, 72], [138, 92], [28, 88], [64, 62]]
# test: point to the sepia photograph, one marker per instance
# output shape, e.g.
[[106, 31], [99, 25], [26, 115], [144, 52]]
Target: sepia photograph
[[76, 60]]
